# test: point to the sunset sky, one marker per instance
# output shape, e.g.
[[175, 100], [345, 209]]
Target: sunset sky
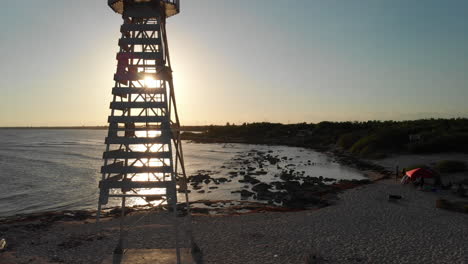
[[244, 61]]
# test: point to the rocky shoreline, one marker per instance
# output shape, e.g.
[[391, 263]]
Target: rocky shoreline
[[291, 191]]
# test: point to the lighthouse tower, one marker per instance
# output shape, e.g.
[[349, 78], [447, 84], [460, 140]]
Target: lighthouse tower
[[143, 160]]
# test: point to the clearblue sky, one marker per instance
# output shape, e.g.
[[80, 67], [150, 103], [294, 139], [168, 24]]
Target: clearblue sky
[[244, 61]]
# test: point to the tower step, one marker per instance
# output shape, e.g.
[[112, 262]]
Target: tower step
[[139, 41], [109, 184], [158, 56], [138, 141], [120, 91], [150, 196], [139, 27], [111, 168], [149, 128], [138, 119], [126, 105], [117, 154], [124, 77]]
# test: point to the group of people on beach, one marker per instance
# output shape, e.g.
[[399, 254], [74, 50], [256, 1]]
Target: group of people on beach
[[434, 182]]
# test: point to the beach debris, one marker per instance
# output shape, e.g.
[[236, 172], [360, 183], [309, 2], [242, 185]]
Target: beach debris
[[393, 197], [314, 258], [3, 244]]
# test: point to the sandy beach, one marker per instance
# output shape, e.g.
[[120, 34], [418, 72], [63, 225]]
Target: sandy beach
[[362, 227]]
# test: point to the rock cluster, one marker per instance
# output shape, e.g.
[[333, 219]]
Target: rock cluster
[[292, 189]]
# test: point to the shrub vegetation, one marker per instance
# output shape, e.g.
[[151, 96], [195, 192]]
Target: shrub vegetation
[[451, 166], [368, 138]]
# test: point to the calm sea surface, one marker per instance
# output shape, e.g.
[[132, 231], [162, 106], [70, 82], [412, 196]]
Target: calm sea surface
[[52, 170]]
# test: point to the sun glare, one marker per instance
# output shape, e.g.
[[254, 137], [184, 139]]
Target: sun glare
[[150, 82]]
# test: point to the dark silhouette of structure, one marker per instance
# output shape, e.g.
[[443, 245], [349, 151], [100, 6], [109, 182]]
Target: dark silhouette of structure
[[143, 157]]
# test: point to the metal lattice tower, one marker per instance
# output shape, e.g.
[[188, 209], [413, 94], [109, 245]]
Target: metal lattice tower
[[143, 154]]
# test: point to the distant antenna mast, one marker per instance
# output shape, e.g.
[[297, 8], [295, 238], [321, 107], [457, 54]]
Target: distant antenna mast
[[144, 155]]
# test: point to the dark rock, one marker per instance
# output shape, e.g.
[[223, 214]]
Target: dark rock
[[249, 179], [309, 186], [245, 193], [287, 176], [261, 172], [292, 186], [250, 168], [118, 211], [261, 187], [200, 210], [221, 180], [265, 195], [272, 160], [315, 180], [199, 178]]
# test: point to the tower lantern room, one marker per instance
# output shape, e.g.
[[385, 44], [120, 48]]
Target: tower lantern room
[[145, 8]]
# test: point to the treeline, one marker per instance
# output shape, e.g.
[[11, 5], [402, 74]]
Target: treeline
[[368, 139]]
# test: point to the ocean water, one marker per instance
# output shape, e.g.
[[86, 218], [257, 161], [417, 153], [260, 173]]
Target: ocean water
[[53, 170]]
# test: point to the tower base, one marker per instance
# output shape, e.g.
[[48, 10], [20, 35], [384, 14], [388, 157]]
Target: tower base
[[153, 256]]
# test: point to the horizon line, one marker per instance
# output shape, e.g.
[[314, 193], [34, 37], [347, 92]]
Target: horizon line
[[232, 124]]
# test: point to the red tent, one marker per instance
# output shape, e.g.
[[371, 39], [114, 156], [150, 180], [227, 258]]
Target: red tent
[[420, 173]]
